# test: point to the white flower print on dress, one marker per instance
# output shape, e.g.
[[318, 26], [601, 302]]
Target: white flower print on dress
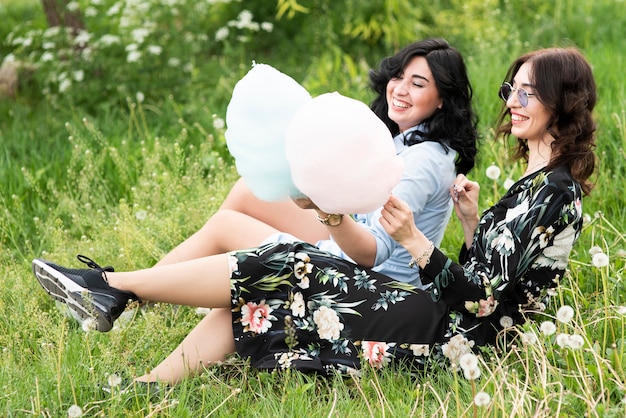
[[328, 325], [297, 305], [420, 349], [516, 211], [301, 268]]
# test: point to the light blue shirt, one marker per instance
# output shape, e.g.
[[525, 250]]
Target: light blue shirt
[[429, 171]]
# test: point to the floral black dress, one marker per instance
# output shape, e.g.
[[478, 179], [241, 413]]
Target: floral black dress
[[295, 306]]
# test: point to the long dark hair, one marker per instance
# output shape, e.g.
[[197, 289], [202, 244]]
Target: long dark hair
[[455, 124], [563, 82]]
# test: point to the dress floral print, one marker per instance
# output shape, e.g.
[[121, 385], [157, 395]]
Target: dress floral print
[[295, 306]]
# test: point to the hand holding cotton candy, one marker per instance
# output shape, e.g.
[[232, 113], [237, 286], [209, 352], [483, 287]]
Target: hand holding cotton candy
[[261, 107], [341, 155]]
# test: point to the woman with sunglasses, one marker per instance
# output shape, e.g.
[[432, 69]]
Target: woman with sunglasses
[[295, 306]]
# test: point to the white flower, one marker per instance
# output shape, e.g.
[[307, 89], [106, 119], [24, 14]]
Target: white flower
[[565, 314], [221, 34], [562, 340], [133, 56], [575, 342], [107, 40], [493, 172], [595, 250], [468, 361], [471, 374], [47, 56], [218, 123], [78, 75], [621, 310], [72, 6], [586, 219], [482, 399], [141, 214], [600, 260], [91, 11], [529, 338], [140, 97], [114, 380], [155, 49], [173, 62], [88, 325], [82, 38], [267, 26], [65, 84], [506, 322], [74, 411], [139, 34], [297, 305], [328, 325], [508, 183], [456, 347], [547, 327]]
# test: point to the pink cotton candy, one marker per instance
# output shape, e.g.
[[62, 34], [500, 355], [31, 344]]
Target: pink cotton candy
[[341, 155]]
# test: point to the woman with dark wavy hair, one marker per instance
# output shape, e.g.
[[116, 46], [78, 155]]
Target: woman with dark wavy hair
[[454, 128]]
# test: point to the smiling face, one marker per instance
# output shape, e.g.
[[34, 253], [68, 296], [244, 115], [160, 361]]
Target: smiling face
[[413, 95], [530, 122]]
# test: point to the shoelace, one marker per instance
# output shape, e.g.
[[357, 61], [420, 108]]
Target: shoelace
[[93, 265]]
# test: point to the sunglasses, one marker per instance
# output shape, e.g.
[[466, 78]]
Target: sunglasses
[[522, 95]]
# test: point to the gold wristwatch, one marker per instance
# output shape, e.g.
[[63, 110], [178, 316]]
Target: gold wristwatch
[[332, 219]]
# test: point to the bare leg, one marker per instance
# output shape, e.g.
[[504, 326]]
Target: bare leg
[[226, 230], [285, 216], [282, 216], [209, 342], [203, 282]]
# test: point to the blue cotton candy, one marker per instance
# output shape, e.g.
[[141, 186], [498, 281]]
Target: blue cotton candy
[[261, 107]]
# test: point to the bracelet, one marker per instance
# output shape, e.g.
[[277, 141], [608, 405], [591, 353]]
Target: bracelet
[[426, 254]]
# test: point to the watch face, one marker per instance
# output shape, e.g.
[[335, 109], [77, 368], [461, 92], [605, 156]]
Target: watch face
[[334, 219]]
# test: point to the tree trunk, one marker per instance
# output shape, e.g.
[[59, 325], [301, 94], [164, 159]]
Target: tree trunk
[[58, 15]]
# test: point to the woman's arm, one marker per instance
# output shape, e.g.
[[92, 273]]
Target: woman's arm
[[465, 197]]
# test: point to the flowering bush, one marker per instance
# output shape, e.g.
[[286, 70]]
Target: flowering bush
[[129, 47]]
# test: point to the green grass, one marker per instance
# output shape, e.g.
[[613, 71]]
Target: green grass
[[127, 181]]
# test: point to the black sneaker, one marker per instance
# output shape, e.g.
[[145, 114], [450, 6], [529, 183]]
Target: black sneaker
[[84, 291]]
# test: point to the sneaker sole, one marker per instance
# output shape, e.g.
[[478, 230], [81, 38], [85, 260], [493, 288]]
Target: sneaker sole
[[76, 297]]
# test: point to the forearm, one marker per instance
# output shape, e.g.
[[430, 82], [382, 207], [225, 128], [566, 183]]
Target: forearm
[[469, 229], [354, 240]]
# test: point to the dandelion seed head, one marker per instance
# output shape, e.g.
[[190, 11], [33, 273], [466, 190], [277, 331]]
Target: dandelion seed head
[[88, 325], [482, 399], [565, 314], [547, 327], [493, 172], [114, 380], [468, 361], [506, 322], [74, 411], [600, 260], [562, 340], [595, 250], [576, 342], [471, 374], [529, 338]]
